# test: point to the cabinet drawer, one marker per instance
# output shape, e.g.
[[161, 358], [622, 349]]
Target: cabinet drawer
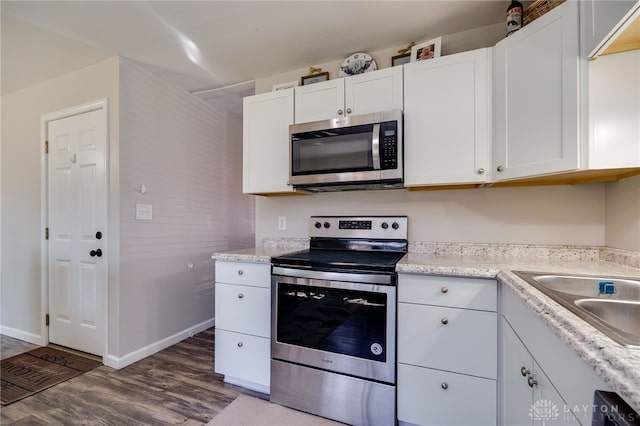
[[255, 274], [423, 399], [243, 357], [452, 339], [244, 309], [471, 293]]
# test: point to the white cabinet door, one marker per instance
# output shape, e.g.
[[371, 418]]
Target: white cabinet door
[[548, 406], [243, 309], [319, 101], [528, 398], [614, 111], [434, 397], [438, 337], [266, 120], [360, 94], [447, 120], [601, 20], [374, 91], [517, 396], [245, 359], [537, 97]]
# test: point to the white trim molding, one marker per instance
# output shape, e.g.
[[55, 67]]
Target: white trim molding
[[128, 359], [21, 335]]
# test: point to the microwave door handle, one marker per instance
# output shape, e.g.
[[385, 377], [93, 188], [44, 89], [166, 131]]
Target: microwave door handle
[[375, 146]]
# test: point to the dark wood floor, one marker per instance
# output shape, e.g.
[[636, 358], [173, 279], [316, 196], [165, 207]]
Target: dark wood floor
[[174, 386]]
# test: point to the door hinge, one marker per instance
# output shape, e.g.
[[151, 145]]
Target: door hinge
[[46, 233], [46, 147], [46, 320]]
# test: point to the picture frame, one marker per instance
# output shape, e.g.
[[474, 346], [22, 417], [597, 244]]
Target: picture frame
[[283, 86], [314, 78], [401, 59], [426, 50]]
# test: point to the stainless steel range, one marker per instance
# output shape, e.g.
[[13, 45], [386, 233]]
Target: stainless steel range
[[333, 327]]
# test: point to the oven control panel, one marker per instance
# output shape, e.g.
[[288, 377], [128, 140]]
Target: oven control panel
[[391, 227]]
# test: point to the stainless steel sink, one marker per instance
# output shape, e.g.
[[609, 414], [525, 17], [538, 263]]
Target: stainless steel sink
[[610, 304], [621, 314], [584, 286]]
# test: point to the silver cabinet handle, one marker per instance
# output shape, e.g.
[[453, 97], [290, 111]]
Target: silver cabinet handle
[[444, 385], [531, 381], [240, 344], [524, 371], [340, 112], [444, 321], [480, 171], [240, 272], [499, 168], [349, 111], [444, 290], [240, 295]]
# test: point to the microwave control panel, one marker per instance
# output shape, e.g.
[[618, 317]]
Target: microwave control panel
[[389, 145]]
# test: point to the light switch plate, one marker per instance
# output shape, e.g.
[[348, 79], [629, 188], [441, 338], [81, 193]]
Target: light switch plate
[[144, 212]]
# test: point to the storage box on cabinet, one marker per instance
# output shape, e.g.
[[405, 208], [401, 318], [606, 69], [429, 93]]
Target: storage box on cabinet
[[440, 398], [447, 350]]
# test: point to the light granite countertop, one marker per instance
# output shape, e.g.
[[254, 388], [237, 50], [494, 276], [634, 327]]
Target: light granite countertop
[[616, 365]]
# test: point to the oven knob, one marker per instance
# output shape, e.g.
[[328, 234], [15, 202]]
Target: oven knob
[[327, 225], [385, 225], [318, 225], [395, 225]]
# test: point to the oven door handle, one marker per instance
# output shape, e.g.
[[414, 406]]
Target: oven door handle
[[333, 276]]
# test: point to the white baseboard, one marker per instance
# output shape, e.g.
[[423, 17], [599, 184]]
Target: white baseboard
[[36, 339], [130, 358], [247, 384]]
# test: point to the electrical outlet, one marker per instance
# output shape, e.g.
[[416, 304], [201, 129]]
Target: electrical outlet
[[282, 223]]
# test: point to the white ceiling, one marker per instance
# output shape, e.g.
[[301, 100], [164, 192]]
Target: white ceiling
[[201, 45]]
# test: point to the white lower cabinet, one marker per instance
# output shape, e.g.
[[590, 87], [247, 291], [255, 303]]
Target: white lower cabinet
[[543, 381], [243, 318], [435, 397], [529, 396], [447, 350]]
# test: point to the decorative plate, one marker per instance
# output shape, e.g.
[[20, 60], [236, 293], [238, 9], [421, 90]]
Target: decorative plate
[[357, 64]]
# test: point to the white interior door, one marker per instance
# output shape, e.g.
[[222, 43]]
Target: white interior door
[[77, 200]]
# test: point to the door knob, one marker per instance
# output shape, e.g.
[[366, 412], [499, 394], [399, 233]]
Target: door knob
[[94, 253], [98, 235]]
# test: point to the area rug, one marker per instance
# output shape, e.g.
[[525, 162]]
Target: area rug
[[31, 372], [249, 411]]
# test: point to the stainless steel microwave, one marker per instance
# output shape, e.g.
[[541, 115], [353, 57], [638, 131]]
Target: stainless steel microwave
[[354, 152]]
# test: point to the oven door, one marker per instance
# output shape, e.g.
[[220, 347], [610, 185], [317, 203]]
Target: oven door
[[335, 322]]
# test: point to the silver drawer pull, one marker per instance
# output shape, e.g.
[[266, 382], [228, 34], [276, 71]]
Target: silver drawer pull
[[444, 290], [240, 344], [444, 321], [531, 381], [240, 272], [240, 295], [444, 386], [524, 371]]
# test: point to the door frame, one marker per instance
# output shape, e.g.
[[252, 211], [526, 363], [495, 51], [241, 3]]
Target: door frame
[[98, 105]]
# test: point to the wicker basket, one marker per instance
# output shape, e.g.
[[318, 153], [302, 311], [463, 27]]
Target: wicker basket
[[539, 8]]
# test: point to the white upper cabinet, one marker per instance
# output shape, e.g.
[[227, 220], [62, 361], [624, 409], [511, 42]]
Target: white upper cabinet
[[537, 85], [604, 22], [614, 111], [360, 94], [447, 119], [266, 120]]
